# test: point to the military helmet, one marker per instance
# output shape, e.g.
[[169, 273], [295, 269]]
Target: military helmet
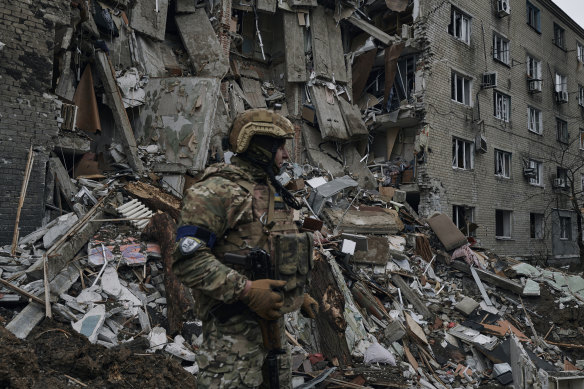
[[258, 122]]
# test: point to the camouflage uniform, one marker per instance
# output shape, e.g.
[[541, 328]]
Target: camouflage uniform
[[230, 201]]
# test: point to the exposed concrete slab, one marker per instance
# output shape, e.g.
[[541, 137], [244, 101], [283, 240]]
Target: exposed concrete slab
[[466, 305], [64, 223], [88, 296], [150, 53], [91, 323], [185, 6], [202, 44], [525, 269], [531, 288], [149, 18], [179, 113], [385, 221], [71, 143]]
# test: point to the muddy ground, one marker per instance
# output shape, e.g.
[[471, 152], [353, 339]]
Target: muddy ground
[[54, 356]]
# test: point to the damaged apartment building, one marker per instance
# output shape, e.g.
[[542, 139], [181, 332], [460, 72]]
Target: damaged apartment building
[[472, 108]]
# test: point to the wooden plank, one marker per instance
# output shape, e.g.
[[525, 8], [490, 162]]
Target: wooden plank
[[294, 41], [371, 30], [63, 180], [327, 47], [489, 277], [411, 296], [23, 189], [106, 73], [253, 92], [328, 113]]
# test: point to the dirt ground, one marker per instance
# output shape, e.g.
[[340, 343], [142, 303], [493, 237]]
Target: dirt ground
[[54, 356]]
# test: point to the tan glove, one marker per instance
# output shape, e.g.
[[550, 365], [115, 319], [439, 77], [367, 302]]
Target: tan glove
[[260, 297], [309, 307]]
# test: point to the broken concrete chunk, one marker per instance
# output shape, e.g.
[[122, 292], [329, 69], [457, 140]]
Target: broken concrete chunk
[[531, 288], [89, 295], [447, 232], [394, 331], [525, 269], [91, 323], [149, 18], [110, 282], [63, 225], [467, 305], [157, 338], [178, 349]]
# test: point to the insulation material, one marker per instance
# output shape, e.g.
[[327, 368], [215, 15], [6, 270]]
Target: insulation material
[[84, 98]]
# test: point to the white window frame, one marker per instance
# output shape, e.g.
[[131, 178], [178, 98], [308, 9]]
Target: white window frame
[[502, 106], [502, 164], [561, 83], [533, 16], [466, 150], [534, 71], [562, 132], [466, 97], [534, 120], [565, 227], [580, 51], [501, 48], [559, 36], [536, 225], [580, 95], [538, 167], [461, 25], [507, 223]]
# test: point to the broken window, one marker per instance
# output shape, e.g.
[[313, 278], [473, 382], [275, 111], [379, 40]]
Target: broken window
[[536, 230], [502, 164], [533, 17], [565, 228], [581, 95], [502, 106], [534, 74], [406, 75], [503, 223], [580, 52], [534, 120], [460, 89], [501, 49], [561, 177], [559, 36], [462, 154], [463, 216], [460, 24], [562, 131], [537, 167]]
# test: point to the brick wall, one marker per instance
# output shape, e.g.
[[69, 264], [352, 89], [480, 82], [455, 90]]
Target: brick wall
[[27, 28], [444, 186]]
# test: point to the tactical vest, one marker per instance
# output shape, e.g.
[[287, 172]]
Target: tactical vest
[[272, 229]]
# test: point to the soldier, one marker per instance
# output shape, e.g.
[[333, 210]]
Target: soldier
[[241, 211]]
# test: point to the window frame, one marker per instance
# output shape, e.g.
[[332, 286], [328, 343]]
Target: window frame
[[466, 84], [562, 132], [501, 106], [501, 49], [559, 36], [581, 146], [580, 52], [507, 218], [536, 219], [465, 33], [536, 16], [580, 95], [534, 118], [565, 228], [538, 166], [458, 215], [506, 160], [467, 154], [534, 71]]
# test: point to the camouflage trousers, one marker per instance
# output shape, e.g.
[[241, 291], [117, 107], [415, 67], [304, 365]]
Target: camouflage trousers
[[232, 355]]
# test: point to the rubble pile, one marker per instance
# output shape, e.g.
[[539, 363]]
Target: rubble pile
[[147, 90]]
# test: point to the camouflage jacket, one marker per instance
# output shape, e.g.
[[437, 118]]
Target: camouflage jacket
[[217, 203]]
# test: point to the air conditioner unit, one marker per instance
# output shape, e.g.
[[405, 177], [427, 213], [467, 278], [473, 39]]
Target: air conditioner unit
[[529, 172], [561, 97], [534, 85], [489, 80], [503, 8], [480, 144], [559, 183]]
